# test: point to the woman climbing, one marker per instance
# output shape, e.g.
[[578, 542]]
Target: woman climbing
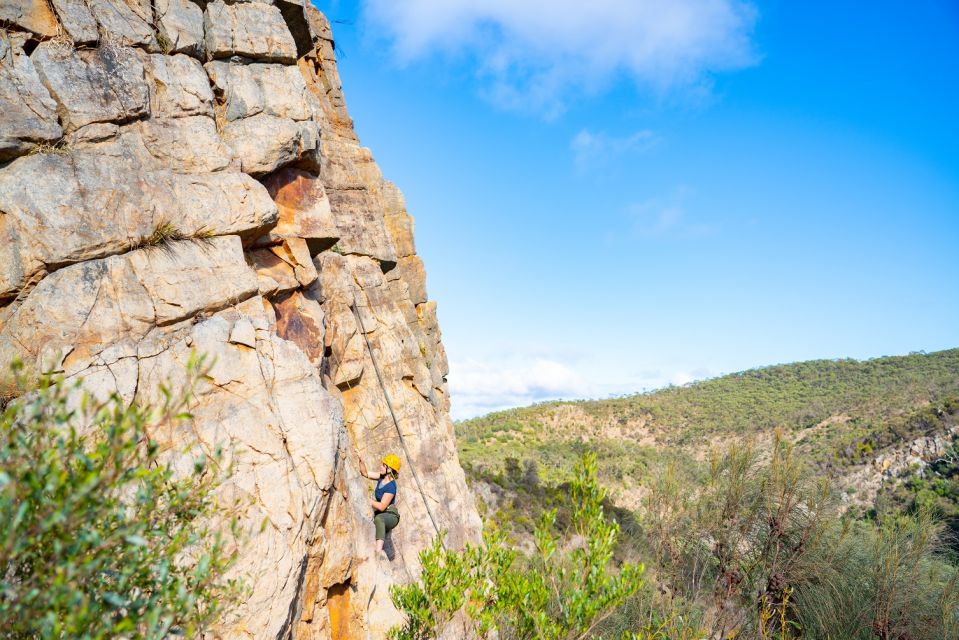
[[385, 514]]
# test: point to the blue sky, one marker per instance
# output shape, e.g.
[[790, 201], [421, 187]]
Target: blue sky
[[647, 192]]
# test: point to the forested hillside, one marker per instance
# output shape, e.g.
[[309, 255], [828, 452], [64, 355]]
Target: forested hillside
[[882, 431], [832, 409]]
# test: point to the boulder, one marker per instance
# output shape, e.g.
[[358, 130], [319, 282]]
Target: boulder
[[413, 272], [29, 113], [185, 144], [105, 84], [30, 15], [264, 143], [360, 226], [178, 86], [125, 22], [77, 21], [283, 267], [399, 224], [181, 26], [251, 89], [252, 30]]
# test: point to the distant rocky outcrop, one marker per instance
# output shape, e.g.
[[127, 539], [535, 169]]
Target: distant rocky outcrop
[[183, 177]]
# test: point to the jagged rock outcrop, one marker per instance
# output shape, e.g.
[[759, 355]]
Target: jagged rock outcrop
[[183, 177]]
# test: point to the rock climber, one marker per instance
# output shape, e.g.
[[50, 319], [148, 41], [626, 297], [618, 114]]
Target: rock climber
[[385, 514]]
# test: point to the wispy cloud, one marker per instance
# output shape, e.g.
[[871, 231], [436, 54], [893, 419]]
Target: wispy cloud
[[665, 215], [596, 149], [538, 55]]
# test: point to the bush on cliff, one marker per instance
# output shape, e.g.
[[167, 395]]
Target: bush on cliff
[[99, 538]]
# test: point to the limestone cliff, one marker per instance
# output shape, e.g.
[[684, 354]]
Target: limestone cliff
[[183, 176]]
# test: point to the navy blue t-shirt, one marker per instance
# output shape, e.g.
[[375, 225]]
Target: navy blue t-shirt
[[389, 487]]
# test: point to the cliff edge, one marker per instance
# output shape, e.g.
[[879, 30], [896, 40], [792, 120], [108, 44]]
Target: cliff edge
[[182, 177]]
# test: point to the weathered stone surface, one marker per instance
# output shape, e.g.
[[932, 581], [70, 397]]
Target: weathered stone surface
[[92, 133], [105, 84], [125, 22], [248, 90], [283, 267], [428, 432], [266, 408], [101, 201], [399, 223], [29, 114], [357, 211], [243, 333], [181, 24], [185, 144], [300, 319], [252, 30], [31, 15], [118, 300], [77, 21], [265, 143], [304, 209], [413, 272], [178, 86]]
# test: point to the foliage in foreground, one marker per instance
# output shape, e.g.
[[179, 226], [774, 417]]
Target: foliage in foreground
[[98, 537], [563, 591], [756, 547], [760, 548]]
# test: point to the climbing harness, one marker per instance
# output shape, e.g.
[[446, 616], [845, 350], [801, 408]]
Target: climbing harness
[[396, 423]]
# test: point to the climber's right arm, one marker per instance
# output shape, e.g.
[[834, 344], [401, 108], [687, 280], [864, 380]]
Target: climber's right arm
[[365, 473]]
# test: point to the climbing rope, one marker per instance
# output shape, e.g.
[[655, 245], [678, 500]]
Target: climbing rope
[[396, 423]]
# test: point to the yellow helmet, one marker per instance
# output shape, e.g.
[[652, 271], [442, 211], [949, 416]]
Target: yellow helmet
[[393, 462]]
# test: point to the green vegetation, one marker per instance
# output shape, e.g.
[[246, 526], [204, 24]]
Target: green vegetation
[[824, 406], [762, 550], [758, 549], [563, 591], [759, 502], [99, 538]]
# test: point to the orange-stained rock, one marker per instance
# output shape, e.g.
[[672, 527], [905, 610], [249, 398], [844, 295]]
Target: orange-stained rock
[[31, 15], [300, 320], [304, 208]]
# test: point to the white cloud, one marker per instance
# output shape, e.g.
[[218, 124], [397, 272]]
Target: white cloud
[[541, 54], [481, 386], [597, 149]]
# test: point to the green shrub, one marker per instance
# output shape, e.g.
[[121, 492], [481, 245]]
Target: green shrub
[[563, 592], [98, 537], [760, 548]]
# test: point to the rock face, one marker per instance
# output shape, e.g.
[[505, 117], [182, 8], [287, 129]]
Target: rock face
[[181, 178]]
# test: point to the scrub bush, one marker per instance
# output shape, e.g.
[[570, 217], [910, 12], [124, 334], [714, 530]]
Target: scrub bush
[[99, 538]]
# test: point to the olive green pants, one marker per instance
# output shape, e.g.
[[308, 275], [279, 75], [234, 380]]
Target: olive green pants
[[386, 521]]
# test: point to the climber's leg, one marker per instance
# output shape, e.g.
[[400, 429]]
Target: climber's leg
[[385, 521]]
